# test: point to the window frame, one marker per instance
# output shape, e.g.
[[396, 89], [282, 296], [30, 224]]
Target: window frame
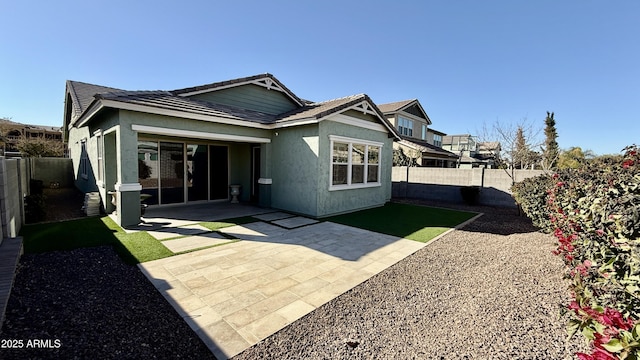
[[350, 142], [437, 140], [100, 157], [405, 126], [84, 160]]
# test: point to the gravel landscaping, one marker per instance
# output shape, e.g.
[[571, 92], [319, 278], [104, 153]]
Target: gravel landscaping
[[491, 290]]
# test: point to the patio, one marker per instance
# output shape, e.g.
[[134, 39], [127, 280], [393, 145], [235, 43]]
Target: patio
[[284, 267]]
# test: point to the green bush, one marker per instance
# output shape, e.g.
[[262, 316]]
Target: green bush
[[532, 195], [594, 213]]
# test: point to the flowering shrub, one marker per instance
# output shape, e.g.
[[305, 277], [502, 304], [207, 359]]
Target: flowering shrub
[[595, 215]]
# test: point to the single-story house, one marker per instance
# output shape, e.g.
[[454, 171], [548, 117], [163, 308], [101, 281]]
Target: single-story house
[[190, 145]]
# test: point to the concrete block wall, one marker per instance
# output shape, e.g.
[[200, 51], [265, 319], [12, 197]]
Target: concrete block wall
[[11, 197], [444, 184], [52, 170]]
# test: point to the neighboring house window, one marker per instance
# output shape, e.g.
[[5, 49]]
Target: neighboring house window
[[405, 126], [84, 159], [424, 132], [437, 140], [354, 163]]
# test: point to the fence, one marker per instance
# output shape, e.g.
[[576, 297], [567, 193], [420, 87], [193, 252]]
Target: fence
[[15, 177], [442, 184]]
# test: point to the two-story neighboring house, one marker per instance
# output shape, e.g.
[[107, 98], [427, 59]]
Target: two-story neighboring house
[[11, 132], [418, 141], [471, 152]]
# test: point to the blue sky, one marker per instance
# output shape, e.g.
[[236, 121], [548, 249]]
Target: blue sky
[[469, 63]]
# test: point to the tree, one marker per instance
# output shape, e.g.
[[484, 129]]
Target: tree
[[550, 151], [574, 158], [516, 143], [400, 158], [39, 147]]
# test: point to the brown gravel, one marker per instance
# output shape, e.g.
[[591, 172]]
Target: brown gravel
[[489, 291]]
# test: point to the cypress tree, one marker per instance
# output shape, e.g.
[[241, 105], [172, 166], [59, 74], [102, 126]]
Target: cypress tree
[[551, 150]]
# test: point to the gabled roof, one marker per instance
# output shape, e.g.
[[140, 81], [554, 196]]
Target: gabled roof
[[82, 94], [319, 110], [427, 148], [404, 105], [89, 99], [395, 106], [265, 80], [166, 100]]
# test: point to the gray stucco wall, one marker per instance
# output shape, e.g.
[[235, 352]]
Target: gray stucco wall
[[252, 97], [294, 169]]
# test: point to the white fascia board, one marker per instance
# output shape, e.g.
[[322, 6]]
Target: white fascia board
[[348, 120], [339, 138], [95, 108], [155, 130], [285, 124]]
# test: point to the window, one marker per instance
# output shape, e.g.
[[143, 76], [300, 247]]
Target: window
[[84, 159], [354, 163], [437, 140], [424, 132], [405, 126], [100, 146]]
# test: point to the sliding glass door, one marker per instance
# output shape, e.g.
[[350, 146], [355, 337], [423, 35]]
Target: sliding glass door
[[172, 172], [197, 172]]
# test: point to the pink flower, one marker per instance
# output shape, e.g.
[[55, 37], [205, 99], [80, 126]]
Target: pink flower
[[600, 232]]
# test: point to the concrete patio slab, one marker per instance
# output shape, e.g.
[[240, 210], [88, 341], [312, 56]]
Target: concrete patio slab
[[273, 216], [238, 294], [295, 222], [253, 231], [195, 242]]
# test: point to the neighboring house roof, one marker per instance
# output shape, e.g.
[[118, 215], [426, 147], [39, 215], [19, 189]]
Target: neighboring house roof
[[489, 146], [427, 148], [437, 132], [404, 105], [91, 99], [395, 106]]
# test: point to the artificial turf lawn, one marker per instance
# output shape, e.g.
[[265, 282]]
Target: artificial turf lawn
[[95, 231], [412, 222], [134, 247], [419, 223]]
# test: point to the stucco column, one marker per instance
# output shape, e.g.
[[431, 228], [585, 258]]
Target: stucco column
[[265, 181], [127, 185]]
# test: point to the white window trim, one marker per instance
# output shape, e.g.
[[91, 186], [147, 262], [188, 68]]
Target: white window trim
[[351, 142], [99, 157]]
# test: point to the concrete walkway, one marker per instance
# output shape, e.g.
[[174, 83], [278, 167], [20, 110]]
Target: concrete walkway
[[286, 266]]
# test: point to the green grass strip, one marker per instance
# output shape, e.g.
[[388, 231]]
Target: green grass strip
[[414, 222]]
